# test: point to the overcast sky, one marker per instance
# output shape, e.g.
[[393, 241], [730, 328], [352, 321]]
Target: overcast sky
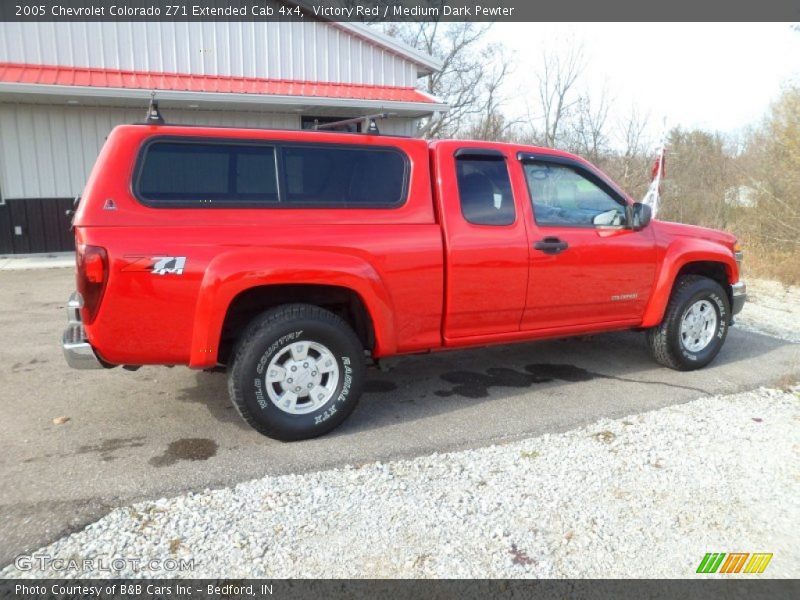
[[718, 76]]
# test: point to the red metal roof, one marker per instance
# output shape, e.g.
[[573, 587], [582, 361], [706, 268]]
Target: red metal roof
[[214, 84]]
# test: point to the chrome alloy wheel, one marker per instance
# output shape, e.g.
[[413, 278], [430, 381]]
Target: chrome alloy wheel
[[302, 377], [698, 326]]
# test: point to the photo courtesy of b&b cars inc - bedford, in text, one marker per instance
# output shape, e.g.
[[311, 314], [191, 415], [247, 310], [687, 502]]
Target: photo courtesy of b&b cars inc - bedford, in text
[[399, 299]]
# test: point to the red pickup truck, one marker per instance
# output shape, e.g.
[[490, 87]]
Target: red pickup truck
[[297, 258]]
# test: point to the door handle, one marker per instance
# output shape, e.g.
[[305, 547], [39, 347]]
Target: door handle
[[551, 245]]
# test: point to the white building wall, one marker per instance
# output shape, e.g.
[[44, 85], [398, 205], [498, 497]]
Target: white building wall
[[47, 151], [310, 51]]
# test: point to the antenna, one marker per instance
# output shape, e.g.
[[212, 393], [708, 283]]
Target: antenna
[[153, 114]]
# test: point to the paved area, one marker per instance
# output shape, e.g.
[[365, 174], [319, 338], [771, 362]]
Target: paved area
[[158, 432], [25, 262], [557, 505]]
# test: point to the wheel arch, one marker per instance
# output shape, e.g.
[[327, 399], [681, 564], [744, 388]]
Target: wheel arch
[[715, 270], [237, 283], [249, 303], [709, 261]]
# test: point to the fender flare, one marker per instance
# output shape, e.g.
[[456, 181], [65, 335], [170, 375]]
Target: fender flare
[[680, 253], [230, 273]]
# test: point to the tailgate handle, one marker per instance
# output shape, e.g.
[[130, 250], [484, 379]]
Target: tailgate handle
[[551, 245]]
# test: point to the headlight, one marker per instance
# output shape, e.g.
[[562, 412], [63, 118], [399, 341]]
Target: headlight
[[738, 254]]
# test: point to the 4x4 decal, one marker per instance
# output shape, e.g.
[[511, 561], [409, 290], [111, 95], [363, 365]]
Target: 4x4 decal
[[157, 265]]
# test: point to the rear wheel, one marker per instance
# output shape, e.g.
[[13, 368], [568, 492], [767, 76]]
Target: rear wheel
[[297, 372], [694, 327]]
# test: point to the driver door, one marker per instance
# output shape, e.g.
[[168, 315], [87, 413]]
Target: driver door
[[587, 267]]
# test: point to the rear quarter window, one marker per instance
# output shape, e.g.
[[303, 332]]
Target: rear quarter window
[[485, 190], [183, 173]]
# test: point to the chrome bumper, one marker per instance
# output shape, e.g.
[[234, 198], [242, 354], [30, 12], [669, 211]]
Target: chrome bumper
[[77, 350], [738, 296]]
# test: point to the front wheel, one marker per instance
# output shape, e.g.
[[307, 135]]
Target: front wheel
[[297, 372], [694, 327]]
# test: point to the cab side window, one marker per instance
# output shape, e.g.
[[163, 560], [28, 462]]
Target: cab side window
[[564, 197], [485, 190]]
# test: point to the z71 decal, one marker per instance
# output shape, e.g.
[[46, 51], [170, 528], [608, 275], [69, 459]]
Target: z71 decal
[[157, 265], [168, 264]]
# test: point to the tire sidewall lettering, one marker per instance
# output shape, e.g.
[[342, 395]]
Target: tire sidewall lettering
[[722, 315], [347, 382], [259, 382], [277, 345]]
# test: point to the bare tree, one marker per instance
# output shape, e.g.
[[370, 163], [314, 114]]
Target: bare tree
[[556, 81], [590, 136], [631, 161], [773, 152], [492, 123], [631, 131], [701, 175], [471, 75]]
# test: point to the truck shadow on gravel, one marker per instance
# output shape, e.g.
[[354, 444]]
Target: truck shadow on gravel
[[379, 386], [422, 386], [469, 384], [211, 392]]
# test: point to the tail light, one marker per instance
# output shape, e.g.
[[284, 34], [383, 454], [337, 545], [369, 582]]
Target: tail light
[[92, 263]]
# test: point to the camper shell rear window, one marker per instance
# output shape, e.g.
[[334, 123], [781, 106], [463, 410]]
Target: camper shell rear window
[[174, 172]]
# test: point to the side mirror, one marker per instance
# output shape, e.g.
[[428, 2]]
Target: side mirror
[[638, 215]]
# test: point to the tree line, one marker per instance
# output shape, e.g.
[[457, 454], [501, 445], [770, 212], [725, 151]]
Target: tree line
[[746, 183]]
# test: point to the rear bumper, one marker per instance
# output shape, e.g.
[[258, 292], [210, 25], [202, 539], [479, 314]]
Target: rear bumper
[[738, 296], [77, 350]]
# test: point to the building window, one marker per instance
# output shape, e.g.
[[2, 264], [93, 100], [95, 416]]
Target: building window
[[308, 123], [485, 190]]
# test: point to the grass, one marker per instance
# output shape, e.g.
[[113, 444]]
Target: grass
[[763, 262]]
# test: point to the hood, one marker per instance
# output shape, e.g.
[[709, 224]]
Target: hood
[[693, 231]]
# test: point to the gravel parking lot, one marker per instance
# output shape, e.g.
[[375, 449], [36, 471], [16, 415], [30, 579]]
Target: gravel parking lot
[[658, 489], [129, 437], [772, 308]]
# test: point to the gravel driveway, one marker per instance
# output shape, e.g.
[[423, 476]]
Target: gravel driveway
[[646, 495], [772, 308]]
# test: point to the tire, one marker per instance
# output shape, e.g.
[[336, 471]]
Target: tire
[[268, 363], [675, 347]]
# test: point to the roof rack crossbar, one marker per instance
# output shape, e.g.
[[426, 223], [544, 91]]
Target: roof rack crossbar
[[369, 119]]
